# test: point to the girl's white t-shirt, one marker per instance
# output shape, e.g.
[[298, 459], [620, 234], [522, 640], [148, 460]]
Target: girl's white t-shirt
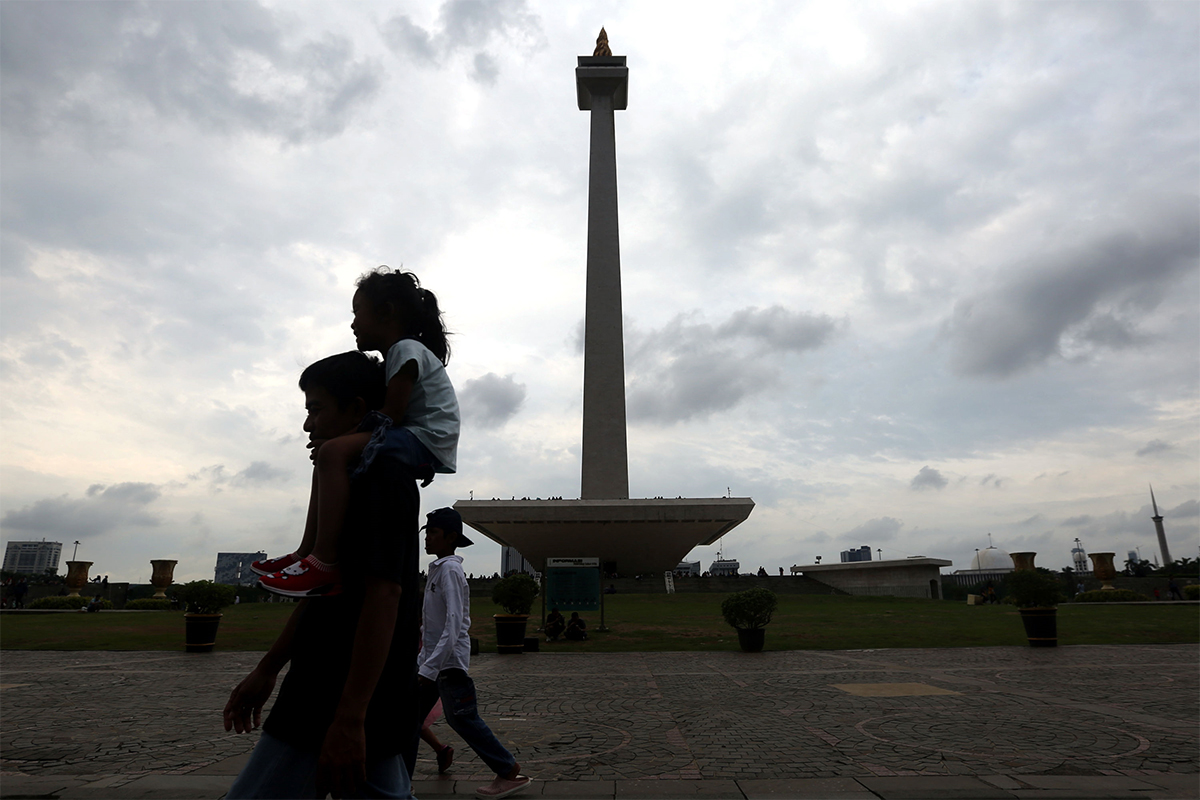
[[432, 413]]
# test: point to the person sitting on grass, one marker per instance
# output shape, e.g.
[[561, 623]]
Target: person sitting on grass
[[555, 625], [576, 628]]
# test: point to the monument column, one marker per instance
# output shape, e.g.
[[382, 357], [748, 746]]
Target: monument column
[[1158, 528], [601, 85]]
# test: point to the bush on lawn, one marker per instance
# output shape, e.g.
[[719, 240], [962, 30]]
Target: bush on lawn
[[1191, 591], [149, 604], [1114, 596], [67, 603]]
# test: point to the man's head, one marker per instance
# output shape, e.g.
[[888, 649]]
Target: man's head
[[339, 391], [443, 532]]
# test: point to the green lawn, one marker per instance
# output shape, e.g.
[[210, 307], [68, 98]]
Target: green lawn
[[647, 623]]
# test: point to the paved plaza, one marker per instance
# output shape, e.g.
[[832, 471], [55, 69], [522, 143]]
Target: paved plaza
[[1082, 722]]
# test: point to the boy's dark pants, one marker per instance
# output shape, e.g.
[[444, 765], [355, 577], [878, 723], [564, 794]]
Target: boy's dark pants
[[457, 692]]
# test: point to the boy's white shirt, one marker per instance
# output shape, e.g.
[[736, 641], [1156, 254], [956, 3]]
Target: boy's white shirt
[[446, 640]]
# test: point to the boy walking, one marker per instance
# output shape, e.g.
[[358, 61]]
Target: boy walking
[[446, 654]]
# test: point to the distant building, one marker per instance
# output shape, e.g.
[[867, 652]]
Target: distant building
[[1132, 556], [690, 568], [724, 567], [234, 568], [32, 558], [989, 564], [861, 554], [511, 561]]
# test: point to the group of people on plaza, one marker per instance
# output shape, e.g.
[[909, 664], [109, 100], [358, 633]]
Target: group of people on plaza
[[371, 657]]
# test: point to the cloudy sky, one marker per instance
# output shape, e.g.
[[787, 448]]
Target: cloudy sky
[[907, 275]]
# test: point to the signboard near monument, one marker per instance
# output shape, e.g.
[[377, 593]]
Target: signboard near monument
[[573, 584]]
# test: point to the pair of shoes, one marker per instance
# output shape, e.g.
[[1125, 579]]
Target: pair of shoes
[[503, 787], [305, 578], [269, 565], [445, 758]]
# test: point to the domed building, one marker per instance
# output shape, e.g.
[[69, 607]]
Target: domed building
[[989, 564], [991, 559]]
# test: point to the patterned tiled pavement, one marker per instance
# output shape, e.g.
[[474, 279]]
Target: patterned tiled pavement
[[1083, 722]]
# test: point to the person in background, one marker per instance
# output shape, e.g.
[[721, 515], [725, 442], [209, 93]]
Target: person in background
[[576, 628]]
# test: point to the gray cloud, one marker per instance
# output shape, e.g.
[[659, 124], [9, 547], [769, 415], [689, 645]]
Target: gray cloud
[[466, 25], [1154, 447], [1189, 508], [882, 529], [1077, 521], [692, 369], [490, 400], [260, 472], [101, 510], [229, 67], [1071, 298], [928, 478]]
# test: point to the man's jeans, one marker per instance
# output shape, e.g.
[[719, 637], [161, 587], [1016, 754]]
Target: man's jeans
[[278, 770], [457, 691]]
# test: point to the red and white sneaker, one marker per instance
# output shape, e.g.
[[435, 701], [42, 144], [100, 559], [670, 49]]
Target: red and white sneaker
[[306, 578], [269, 565]]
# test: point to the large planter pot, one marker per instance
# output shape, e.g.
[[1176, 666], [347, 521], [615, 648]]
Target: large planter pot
[[162, 576], [1103, 569], [510, 633], [751, 640], [77, 572], [200, 631], [1022, 560], [1041, 626]]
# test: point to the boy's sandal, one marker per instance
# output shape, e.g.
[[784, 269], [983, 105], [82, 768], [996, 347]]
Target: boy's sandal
[[445, 757]]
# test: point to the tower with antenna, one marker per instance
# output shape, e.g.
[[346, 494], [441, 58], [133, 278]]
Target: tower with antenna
[[1158, 527], [1079, 558]]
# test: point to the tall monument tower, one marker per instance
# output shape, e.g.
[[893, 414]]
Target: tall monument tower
[[1158, 527], [630, 536], [601, 83]]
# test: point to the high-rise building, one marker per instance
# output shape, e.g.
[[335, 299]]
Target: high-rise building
[[234, 568], [861, 554], [512, 561], [32, 558]]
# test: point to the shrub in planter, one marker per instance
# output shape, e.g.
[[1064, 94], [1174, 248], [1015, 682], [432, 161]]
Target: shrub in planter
[[1191, 591], [203, 601], [1036, 592], [148, 604], [515, 594], [205, 597], [1115, 596], [748, 612]]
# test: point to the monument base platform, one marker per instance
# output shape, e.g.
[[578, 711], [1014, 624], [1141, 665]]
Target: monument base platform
[[640, 536]]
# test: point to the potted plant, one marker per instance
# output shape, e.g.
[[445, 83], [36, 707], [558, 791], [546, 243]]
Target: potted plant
[[203, 601], [1036, 594], [515, 594], [748, 612]]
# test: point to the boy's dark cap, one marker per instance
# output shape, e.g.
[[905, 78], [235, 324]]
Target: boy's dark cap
[[448, 520]]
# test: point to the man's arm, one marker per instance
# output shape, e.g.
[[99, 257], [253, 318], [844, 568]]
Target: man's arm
[[343, 761], [243, 712]]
